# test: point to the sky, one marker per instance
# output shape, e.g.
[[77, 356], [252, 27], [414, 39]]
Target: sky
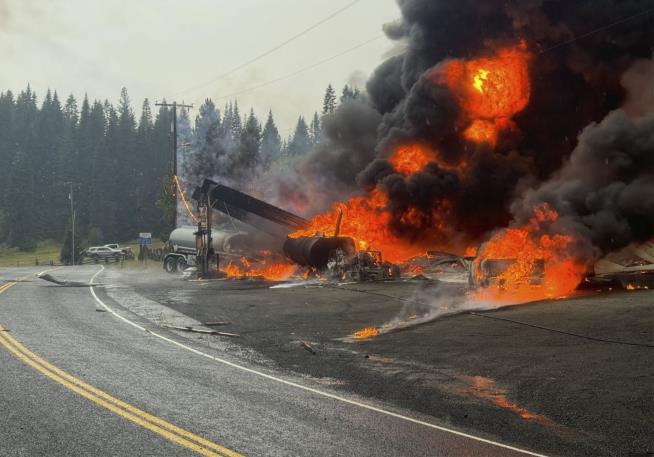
[[176, 49]]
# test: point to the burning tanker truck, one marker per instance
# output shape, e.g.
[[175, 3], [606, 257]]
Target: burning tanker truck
[[334, 255]]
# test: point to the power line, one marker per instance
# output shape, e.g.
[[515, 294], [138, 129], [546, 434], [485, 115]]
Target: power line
[[563, 332], [301, 70], [271, 50], [600, 29]]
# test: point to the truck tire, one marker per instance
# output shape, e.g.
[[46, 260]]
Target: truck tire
[[170, 264], [181, 264]]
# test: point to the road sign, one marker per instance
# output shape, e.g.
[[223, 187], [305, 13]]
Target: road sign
[[145, 238]]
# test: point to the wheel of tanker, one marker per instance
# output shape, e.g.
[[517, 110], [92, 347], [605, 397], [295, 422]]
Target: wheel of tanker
[[170, 264], [181, 264]]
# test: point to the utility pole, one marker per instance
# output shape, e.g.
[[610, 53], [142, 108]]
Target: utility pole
[[72, 221], [174, 106]]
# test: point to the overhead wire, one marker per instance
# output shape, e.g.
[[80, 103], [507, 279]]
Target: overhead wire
[[328, 59], [597, 30], [563, 332], [269, 51], [302, 70]]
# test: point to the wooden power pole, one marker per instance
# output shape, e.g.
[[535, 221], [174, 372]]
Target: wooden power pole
[[174, 106]]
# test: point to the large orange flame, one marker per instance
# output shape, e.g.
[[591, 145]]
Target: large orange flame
[[411, 158], [541, 265], [490, 91], [367, 220], [266, 269]]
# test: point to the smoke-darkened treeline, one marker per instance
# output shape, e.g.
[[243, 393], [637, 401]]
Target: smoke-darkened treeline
[[240, 150], [120, 166], [114, 162]]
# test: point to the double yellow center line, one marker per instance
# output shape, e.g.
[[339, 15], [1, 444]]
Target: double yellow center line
[[125, 410], [6, 286]]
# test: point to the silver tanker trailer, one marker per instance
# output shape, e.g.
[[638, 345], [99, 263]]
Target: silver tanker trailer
[[183, 249]]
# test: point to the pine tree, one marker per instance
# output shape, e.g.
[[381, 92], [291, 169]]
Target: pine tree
[[300, 144], [18, 201], [236, 125], [209, 128], [144, 174], [329, 101], [124, 167], [48, 164], [346, 93], [271, 143], [67, 159], [7, 127], [109, 190], [71, 113], [162, 186], [349, 93], [314, 129], [92, 147], [184, 138], [208, 118], [248, 157]]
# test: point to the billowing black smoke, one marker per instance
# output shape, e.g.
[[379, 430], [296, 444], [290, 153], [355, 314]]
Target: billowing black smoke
[[605, 193], [579, 52], [329, 172]]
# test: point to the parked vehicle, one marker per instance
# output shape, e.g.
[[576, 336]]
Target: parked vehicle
[[126, 250], [103, 252]]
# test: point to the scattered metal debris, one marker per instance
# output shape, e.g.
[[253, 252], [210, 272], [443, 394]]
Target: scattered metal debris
[[199, 330], [52, 279], [308, 347]]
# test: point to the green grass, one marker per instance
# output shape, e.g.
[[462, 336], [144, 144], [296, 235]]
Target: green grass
[[49, 250], [45, 251]]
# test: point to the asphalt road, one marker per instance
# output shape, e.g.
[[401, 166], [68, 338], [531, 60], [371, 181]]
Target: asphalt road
[[76, 380], [569, 377]]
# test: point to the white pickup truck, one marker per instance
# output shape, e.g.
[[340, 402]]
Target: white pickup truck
[[126, 250], [103, 252]]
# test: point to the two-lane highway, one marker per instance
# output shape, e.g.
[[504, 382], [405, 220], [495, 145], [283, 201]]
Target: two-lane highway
[[80, 376]]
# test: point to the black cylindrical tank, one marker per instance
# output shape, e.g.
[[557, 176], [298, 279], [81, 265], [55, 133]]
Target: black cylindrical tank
[[315, 251]]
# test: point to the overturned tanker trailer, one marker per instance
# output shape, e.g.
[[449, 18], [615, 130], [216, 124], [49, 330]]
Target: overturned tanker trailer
[[317, 252]]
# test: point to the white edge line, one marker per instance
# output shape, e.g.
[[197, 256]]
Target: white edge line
[[305, 388]]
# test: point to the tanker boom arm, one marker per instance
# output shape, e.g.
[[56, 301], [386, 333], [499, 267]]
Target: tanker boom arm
[[239, 206]]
